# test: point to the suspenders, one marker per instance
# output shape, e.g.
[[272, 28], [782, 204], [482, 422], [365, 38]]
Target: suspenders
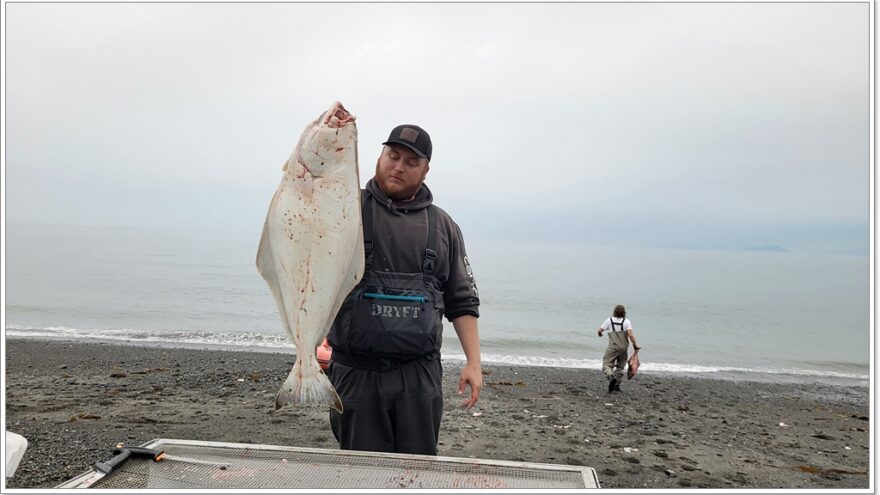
[[611, 319], [391, 317], [429, 261]]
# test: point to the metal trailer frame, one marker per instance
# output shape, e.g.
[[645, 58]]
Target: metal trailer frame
[[255, 466]]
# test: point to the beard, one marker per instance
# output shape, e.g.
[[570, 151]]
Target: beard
[[396, 190]]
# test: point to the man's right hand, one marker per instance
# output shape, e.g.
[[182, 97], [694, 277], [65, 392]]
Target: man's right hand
[[599, 332]]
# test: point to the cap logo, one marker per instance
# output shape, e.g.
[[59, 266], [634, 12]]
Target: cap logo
[[409, 134]]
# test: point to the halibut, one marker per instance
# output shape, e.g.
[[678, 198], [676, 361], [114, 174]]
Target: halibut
[[311, 252]]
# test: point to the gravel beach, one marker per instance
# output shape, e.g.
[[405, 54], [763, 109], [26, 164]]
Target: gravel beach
[[74, 401]]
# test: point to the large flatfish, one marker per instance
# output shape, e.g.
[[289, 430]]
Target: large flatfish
[[311, 253]]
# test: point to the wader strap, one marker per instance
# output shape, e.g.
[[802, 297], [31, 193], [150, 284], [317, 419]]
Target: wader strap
[[621, 324], [429, 262], [368, 231], [430, 251]]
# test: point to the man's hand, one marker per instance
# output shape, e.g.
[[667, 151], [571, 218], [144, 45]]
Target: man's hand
[[471, 375], [599, 332]]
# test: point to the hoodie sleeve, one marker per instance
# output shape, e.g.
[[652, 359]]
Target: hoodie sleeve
[[461, 296]]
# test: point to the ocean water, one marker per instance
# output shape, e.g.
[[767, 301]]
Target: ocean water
[[739, 315]]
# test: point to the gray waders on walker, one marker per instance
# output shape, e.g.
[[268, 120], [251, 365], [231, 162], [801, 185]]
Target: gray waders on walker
[[614, 360]]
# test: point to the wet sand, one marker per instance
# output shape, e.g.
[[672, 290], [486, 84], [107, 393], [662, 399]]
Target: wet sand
[[74, 401]]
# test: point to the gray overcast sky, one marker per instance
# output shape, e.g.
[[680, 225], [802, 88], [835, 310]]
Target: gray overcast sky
[[694, 125]]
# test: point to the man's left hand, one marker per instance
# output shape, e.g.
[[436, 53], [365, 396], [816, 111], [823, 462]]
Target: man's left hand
[[471, 375]]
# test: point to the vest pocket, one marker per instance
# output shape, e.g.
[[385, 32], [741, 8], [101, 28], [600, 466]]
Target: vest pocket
[[398, 319]]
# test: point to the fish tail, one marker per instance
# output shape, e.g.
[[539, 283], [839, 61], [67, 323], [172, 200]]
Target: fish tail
[[307, 389]]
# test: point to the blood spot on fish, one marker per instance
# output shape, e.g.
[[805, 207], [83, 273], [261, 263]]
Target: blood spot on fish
[[337, 150]]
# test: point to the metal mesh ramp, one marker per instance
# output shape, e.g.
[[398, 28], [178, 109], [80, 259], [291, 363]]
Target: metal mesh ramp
[[246, 466]]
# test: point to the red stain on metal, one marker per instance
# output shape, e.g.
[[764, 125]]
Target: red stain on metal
[[478, 482], [405, 479]]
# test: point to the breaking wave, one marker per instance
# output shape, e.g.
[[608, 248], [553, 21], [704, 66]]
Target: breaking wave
[[729, 372], [132, 335], [277, 342]]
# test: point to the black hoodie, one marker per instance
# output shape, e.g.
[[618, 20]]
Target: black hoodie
[[400, 236]]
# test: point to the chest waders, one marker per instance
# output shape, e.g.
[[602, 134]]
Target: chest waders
[[385, 364], [618, 338], [614, 360], [391, 317]]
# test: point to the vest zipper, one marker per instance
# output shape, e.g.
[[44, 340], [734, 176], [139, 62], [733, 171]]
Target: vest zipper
[[373, 295]]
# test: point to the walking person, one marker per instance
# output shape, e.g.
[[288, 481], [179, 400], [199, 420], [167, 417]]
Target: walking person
[[620, 334], [386, 339]]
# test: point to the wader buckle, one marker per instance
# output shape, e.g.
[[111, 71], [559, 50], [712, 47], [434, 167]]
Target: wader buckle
[[430, 258]]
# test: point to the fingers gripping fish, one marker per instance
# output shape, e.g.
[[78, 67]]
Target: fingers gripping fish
[[311, 252]]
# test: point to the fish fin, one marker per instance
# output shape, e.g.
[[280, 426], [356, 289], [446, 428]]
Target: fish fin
[[353, 275], [284, 168], [265, 263], [356, 267], [310, 389], [266, 267]]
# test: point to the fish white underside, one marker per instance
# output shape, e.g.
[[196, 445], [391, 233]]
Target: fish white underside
[[311, 256]]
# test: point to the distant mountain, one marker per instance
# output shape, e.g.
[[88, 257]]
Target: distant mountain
[[770, 248]]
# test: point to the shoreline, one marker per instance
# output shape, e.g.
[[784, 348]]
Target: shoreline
[[725, 373], [73, 401]]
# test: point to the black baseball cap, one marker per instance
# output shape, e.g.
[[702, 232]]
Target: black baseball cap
[[413, 137]]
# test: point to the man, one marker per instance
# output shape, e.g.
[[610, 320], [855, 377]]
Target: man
[[386, 338], [619, 329]]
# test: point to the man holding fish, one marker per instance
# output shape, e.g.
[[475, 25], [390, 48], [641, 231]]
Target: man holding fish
[[378, 269], [386, 339]]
